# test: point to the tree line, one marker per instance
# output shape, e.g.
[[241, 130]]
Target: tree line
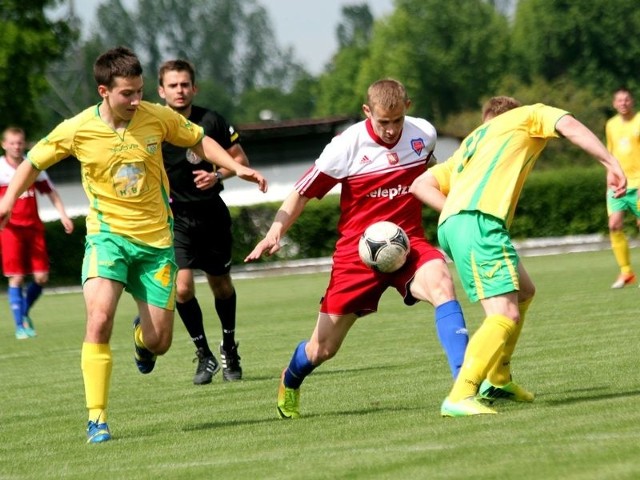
[[451, 56]]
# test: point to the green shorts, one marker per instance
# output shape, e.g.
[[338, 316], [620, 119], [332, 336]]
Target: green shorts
[[627, 202], [148, 273], [482, 252]]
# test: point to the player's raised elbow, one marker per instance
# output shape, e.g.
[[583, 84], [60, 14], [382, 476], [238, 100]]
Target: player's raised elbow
[[422, 184]]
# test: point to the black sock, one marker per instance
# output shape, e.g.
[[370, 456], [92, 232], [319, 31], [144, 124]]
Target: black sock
[[191, 315], [226, 310]]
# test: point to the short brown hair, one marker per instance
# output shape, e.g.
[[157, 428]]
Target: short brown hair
[[387, 93], [623, 89], [498, 105], [177, 65], [11, 129], [117, 62]]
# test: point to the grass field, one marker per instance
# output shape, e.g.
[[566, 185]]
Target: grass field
[[370, 413]]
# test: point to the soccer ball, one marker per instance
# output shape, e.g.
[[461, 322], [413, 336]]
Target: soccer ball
[[384, 247]]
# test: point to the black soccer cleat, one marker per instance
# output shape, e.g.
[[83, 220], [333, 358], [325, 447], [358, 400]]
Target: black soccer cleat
[[231, 369], [207, 367]]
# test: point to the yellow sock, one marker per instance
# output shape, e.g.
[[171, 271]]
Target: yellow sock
[[500, 373], [620, 248], [484, 347], [96, 361], [137, 337]]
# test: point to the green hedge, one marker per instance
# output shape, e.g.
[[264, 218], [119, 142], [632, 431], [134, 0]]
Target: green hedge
[[553, 203]]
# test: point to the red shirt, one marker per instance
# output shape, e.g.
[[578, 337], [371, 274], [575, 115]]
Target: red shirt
[[375, 178], [25, 211]]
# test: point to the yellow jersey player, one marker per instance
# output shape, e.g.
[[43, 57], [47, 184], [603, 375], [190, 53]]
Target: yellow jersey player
[[477, 191], [128, 246], [623, 141]]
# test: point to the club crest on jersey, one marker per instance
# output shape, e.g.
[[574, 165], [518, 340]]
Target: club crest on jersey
[[393, 158], [192, 157], [152, 144], [417, 145]]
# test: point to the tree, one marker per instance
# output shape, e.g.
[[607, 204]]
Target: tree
[[448, 54], [231, 43], [590, 108], [338, 93], [593, 43], [71, 84], [29, 43]]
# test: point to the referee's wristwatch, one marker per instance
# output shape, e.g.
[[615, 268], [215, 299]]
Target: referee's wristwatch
[[218, 176]]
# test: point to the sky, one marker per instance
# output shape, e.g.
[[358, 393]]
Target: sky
[[308, 26]]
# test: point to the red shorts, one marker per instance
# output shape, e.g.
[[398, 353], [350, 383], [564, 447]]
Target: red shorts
[[355, 288], [24, 251]]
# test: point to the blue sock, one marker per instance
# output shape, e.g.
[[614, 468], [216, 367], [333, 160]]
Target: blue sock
[[452, 333], [299, 367], [33, 293], [16, 304]]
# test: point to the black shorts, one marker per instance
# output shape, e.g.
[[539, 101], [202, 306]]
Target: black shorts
[[202, 237]]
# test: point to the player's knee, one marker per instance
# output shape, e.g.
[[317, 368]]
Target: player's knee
[[616, 223], [162, 347], [221, 286], [224, 293], [184, 293], [16, 281], [161, 343], [527, 293], [99, 327]]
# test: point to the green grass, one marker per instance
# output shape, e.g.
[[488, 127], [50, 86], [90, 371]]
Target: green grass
[[371, 412]]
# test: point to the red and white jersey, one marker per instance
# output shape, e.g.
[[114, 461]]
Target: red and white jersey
[[25, 211], [375, 178]]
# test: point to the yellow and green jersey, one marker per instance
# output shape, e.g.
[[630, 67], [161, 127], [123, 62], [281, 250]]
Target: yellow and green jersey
[[623, 141], [489, 169], [122, 172]]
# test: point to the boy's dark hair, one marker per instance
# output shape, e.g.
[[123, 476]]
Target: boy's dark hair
[[117, 62]]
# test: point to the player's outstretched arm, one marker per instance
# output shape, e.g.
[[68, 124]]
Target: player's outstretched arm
[[427, 189], [287, 214], [212, 152], [239, 156], [56, 201], [578, 134], [23, 178]]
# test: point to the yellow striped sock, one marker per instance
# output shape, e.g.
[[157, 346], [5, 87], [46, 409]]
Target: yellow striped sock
[[96, 361], [482, 351], [620, 248], [500, 373]]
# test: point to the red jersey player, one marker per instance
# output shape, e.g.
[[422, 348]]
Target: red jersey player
[[375, 161], [22, 240]]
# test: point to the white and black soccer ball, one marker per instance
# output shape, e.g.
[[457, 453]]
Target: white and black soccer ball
[[384, 247]]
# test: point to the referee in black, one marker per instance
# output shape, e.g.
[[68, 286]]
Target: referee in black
[[202, 225]]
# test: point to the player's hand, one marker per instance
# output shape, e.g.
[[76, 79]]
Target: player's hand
[[266, 246], [4, 218], [617, 183], [251, 175], [67, 223], [204, 180], [5, 214]]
